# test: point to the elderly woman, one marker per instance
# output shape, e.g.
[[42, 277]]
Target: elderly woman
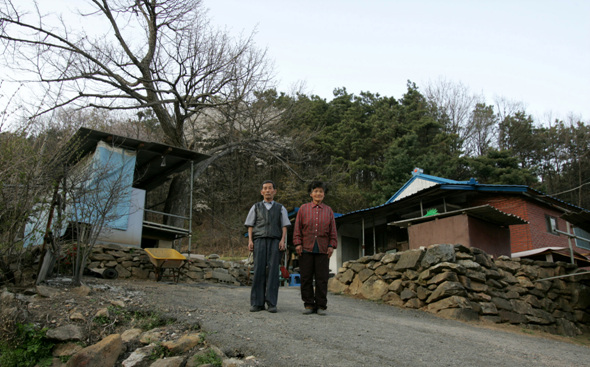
[[315, 239]]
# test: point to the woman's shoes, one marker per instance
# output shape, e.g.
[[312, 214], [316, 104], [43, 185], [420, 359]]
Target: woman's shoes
[[308, 311]]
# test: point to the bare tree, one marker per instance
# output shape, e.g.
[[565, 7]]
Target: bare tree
[[161, 55], [456, 101], [96, 196]]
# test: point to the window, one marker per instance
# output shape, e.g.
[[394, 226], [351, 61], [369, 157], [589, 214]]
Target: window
[[583, 234], [551, 224]]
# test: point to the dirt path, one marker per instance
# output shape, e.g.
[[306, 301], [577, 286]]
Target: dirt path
[[355, 332]]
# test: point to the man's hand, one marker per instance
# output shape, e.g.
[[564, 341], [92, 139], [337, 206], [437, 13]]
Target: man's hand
[[299, 250], [282, 245], [250, 246]]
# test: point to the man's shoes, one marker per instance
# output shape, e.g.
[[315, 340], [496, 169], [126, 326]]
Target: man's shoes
[[321, 312], [272, 309], [256, 308], [308, 311]]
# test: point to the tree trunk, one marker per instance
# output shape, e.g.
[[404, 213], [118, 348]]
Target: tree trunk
[[177, 201]]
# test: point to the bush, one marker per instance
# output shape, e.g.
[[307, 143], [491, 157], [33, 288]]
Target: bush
[[30, 347]]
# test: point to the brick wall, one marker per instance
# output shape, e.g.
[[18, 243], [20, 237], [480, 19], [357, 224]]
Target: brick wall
[[534, 235]]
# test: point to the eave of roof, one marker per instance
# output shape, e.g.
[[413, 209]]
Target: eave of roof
[[484, 212], [152, 169], [472, 185]]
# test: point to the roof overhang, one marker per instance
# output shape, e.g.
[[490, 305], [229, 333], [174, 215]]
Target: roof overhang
[[579, 219], [486, 213], [557, 253], [155, 162]]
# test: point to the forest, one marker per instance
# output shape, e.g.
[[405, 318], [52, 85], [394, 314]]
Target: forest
[[364, 146], [190, 86]]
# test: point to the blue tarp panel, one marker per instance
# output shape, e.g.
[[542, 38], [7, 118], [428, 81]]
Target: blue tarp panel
[[109, 186], [107, 180]]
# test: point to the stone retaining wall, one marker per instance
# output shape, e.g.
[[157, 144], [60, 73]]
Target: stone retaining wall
[[134, 262], [466, 283]]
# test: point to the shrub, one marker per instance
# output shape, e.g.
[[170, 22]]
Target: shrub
[[30, 347]]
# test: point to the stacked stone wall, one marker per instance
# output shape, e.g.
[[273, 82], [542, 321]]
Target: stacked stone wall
[[131, 262], [466, 283]]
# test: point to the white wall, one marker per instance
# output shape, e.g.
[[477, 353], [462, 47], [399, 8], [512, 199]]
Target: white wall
[[131, 236]]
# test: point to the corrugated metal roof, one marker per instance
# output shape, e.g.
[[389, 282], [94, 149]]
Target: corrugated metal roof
[[155, 162], [484, 212], [471, 185]]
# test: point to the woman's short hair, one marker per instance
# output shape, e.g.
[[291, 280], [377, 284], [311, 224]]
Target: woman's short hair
[[317, 184]]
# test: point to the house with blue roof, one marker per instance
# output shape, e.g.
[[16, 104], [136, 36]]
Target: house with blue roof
[[427, 210]]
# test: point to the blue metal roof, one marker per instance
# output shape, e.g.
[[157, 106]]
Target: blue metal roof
[[417, 174], [471, 185]]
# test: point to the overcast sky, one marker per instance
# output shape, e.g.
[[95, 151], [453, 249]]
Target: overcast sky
[[531, 51]]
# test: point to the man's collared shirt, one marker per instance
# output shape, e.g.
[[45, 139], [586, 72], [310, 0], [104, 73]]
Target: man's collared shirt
[[251, 218]]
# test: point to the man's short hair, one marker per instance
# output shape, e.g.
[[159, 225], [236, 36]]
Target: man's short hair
[[317, 184], [270, 182]]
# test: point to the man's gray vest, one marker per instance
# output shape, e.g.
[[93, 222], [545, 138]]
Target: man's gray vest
[[268, 222]]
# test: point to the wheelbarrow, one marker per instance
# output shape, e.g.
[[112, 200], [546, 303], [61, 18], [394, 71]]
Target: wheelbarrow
[[166, 258]]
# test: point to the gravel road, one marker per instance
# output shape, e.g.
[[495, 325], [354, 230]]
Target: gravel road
[[354, 333]]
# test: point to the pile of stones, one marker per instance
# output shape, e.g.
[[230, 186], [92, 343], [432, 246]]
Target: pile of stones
[[131, 262], [464, 283]]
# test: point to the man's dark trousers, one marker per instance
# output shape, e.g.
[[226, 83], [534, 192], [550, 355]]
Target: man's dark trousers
[[265, 283]]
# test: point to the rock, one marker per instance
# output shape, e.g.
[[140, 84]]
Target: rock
[[122, 272], [449, 302], [357, 267], [151, 336], [66, 349], [47, 292], [66, 333], [365, 274], [525, 282], [335, 286], [102, 354], [184, 343], [484, 260], [463, 314], [488, 308], [392, 298], [567, 328], [139, 356], [118, 303], [77, 316], [407, 294], [396, 286], [469, 264], [168, 362], [130, 335], [409, 260], [103, 312], [374, 290], [447, 289], [82, 290], [438, 253], [443, 277], [389, 258], [511, 317], [355, 286], [413, 303], [346, 276], [508, 264]]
